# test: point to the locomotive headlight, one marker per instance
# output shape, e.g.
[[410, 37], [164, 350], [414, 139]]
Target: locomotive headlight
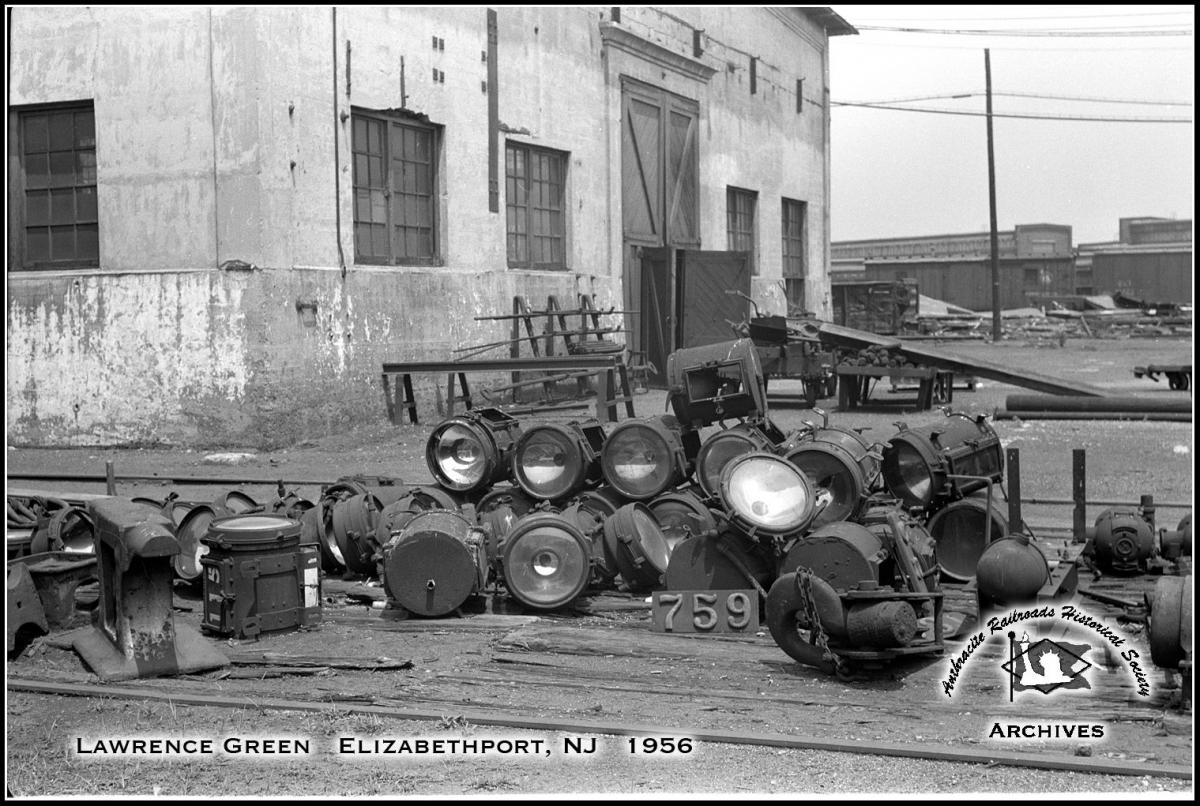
[[764, 492], [642, 458], [838, 462], [472, 451], [919, 463], [547, 561], [723, 447], [550, 462]]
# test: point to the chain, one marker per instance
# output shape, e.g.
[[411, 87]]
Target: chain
[[804, 585]]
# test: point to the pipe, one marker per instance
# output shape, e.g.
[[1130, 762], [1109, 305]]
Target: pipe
[[1136, 416], [337, 158], [1116, 403]]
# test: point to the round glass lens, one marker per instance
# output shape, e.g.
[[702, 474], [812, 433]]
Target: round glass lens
[[718, 451], [769, 492], [460, 455], [639, 460], [547, 465], [915, 481]]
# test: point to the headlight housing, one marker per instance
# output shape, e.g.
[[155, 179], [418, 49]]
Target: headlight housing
[[642, 458], [765, 493], [724, 446], [840, 462], [547, 561], [472, 451], [716, 382], [919, 463], [550, 462]]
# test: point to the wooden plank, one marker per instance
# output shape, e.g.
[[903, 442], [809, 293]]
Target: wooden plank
[[923, 750]]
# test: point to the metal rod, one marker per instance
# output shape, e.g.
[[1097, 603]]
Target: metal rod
[[995, 236]]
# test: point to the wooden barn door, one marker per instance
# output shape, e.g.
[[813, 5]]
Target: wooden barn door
[[704, 306], [659, 211]]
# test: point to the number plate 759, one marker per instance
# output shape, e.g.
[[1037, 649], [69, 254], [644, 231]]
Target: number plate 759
[[705, 611]]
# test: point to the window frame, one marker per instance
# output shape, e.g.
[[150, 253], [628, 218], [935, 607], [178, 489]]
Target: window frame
[[393, 127], [19, 188], [735, 215], [558, 161], [794, 281]]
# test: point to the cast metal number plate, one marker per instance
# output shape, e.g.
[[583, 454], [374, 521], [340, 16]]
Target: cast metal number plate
[[705, 611]]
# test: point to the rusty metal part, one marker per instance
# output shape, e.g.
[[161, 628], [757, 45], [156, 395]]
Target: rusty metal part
[[434, 564], [787, 613], [1122, 541], [318, 521], [547, 560], [354, 521], [885, 624], [135, 634], [25, 617], [637, 545], [595, 507], [1171, 621], [234, 502], [56, 575], [511, 496]]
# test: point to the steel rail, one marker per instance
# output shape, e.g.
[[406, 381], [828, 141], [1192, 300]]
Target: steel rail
[[926, 751]]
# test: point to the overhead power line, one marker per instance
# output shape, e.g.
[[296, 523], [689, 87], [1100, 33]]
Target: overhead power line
[[1025, 32], [1135, 15], [1022, 116], [1074, 98]]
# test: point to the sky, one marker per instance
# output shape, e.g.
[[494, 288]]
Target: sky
[[902, 173]]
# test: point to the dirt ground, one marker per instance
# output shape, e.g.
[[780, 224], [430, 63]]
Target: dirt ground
[[584, 672]]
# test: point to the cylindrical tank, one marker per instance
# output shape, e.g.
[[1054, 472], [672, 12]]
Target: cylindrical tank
[[1010, 571]]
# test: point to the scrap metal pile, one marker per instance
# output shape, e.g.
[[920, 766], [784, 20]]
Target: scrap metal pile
[[846, 541]]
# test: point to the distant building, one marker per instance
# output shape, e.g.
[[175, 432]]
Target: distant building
[[1152, 262], [1035, 260]]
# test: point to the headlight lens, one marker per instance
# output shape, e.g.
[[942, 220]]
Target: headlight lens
[[716, 452], [767, 493], [548, 463], [909, 475], [547, 561], [641, 459]]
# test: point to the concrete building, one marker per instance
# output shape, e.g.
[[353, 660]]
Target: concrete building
[[1151, 261], [1035, 260], [222, 220]]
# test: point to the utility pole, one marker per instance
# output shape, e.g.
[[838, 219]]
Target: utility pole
[[987, 69]]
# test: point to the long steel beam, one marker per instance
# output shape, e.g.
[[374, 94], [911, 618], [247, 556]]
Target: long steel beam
[[833, 335]]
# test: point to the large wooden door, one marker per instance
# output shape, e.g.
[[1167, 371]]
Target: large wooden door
[[706, 304], [659, 208]]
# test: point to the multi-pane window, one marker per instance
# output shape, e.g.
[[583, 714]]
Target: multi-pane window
[[795, 236], [740, 207], [535, 184], [395, 199], [58, 174]]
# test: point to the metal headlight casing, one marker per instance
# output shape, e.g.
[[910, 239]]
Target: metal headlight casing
[[840, 462], [764, 493], [472, 451], [919, 463], [642, 458], [551, 462]]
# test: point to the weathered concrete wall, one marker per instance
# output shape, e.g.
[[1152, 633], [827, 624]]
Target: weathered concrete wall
[[222, 135], [226, 358]]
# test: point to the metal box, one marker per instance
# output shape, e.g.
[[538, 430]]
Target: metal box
[[258, 578]]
